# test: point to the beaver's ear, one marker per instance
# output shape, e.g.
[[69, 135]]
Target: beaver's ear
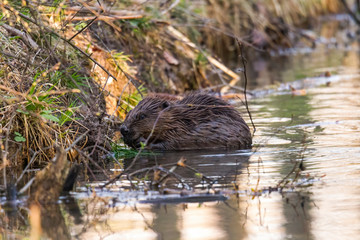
[[165, 104]]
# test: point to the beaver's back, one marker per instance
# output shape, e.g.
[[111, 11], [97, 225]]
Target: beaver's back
[[198, 121]]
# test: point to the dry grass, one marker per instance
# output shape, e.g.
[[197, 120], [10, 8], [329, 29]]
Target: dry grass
[[52, 89], [254, 22]]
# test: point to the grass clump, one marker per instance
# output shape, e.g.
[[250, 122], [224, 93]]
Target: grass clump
[[52, 92]]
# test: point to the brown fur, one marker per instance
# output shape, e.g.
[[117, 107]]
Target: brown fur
[[198, 121]]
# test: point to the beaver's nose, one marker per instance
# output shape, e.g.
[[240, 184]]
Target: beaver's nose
[[124, 130]]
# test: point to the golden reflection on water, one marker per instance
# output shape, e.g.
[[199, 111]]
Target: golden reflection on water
[[124, 223], [200, 222], [337, 215]]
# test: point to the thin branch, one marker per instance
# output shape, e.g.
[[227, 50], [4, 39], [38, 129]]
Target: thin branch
[[109, 154], [296, 164], [30, 162], [6, 149], [27, 185], [24, 36], [92, 9], [83, 29], [62, 38], [351, 13], [76, 141], [174, 4], [203, 176], [245, 83], [170, 172], [92, 161], [105, 18], [96, 13]]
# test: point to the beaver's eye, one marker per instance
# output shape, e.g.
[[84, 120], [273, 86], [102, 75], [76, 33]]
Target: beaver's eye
[[165, 105], [142, 116]]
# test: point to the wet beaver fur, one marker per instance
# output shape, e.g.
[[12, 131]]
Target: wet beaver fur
[[198, 121]]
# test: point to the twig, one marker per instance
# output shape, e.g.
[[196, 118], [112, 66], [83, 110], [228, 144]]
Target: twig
[[149, 169], [27, 62], [4, 156], [245, 82], [162, 169], [97, 142], [105, 18], [109, 154], [24, 36], [142, 170], [8, 54], [29, 164], [89, 57], [151, 226], [120, 98], [258, 172], [98, 15], [202, 175], [76, 141], [291, 171], [69, 19], [83, 29], [168, 172], [93, 162], [27, 185], [90, 9], [178, 35], [351, 13], [295, 165], [91, 172], [174, 4], [3, 159], [64, 39]]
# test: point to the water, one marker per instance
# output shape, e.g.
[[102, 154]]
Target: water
[[318, 128]]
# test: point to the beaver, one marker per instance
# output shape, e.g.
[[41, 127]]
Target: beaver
[[198, 121]]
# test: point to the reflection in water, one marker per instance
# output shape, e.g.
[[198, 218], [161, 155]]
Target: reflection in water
[[52, 222], [216, 168], [337, 154], [200, 223]]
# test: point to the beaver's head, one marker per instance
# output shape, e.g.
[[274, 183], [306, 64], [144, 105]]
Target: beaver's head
[[140, 121]]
